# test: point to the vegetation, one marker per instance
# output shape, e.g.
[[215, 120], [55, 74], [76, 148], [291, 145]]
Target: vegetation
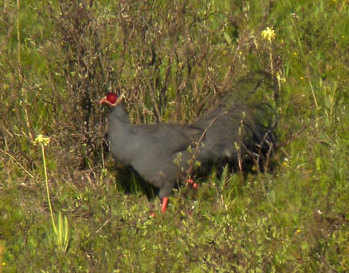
[[64, 207]]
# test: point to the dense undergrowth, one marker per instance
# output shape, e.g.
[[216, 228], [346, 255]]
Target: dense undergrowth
[[173, 60]]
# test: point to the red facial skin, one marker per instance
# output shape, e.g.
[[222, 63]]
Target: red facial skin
[[110, 99]]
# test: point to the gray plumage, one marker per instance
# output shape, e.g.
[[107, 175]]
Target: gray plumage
[[161, 153]]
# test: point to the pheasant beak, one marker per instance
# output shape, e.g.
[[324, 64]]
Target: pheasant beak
[[104, 100]]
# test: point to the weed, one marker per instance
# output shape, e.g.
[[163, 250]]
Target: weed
[[61, 229]]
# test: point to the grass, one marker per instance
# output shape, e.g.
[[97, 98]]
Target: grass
[[172, 59]]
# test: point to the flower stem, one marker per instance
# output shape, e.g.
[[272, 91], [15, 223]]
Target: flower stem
[[271, 59], [47, 189]]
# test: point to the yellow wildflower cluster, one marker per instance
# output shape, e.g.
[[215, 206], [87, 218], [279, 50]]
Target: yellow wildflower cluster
[[268, 34], [40, 139]]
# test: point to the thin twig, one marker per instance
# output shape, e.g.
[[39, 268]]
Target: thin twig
[[102, 226], [17, 162], [197, 146]]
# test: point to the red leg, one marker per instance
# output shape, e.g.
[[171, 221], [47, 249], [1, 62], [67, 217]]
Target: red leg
[[192, 183], [164, 204]]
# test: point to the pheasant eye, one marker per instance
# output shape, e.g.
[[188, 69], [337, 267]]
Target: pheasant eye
[[111, 97]]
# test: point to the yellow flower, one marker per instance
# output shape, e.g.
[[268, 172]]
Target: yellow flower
[[268, 34], [40, 139], [285, 163], [280, 78]]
